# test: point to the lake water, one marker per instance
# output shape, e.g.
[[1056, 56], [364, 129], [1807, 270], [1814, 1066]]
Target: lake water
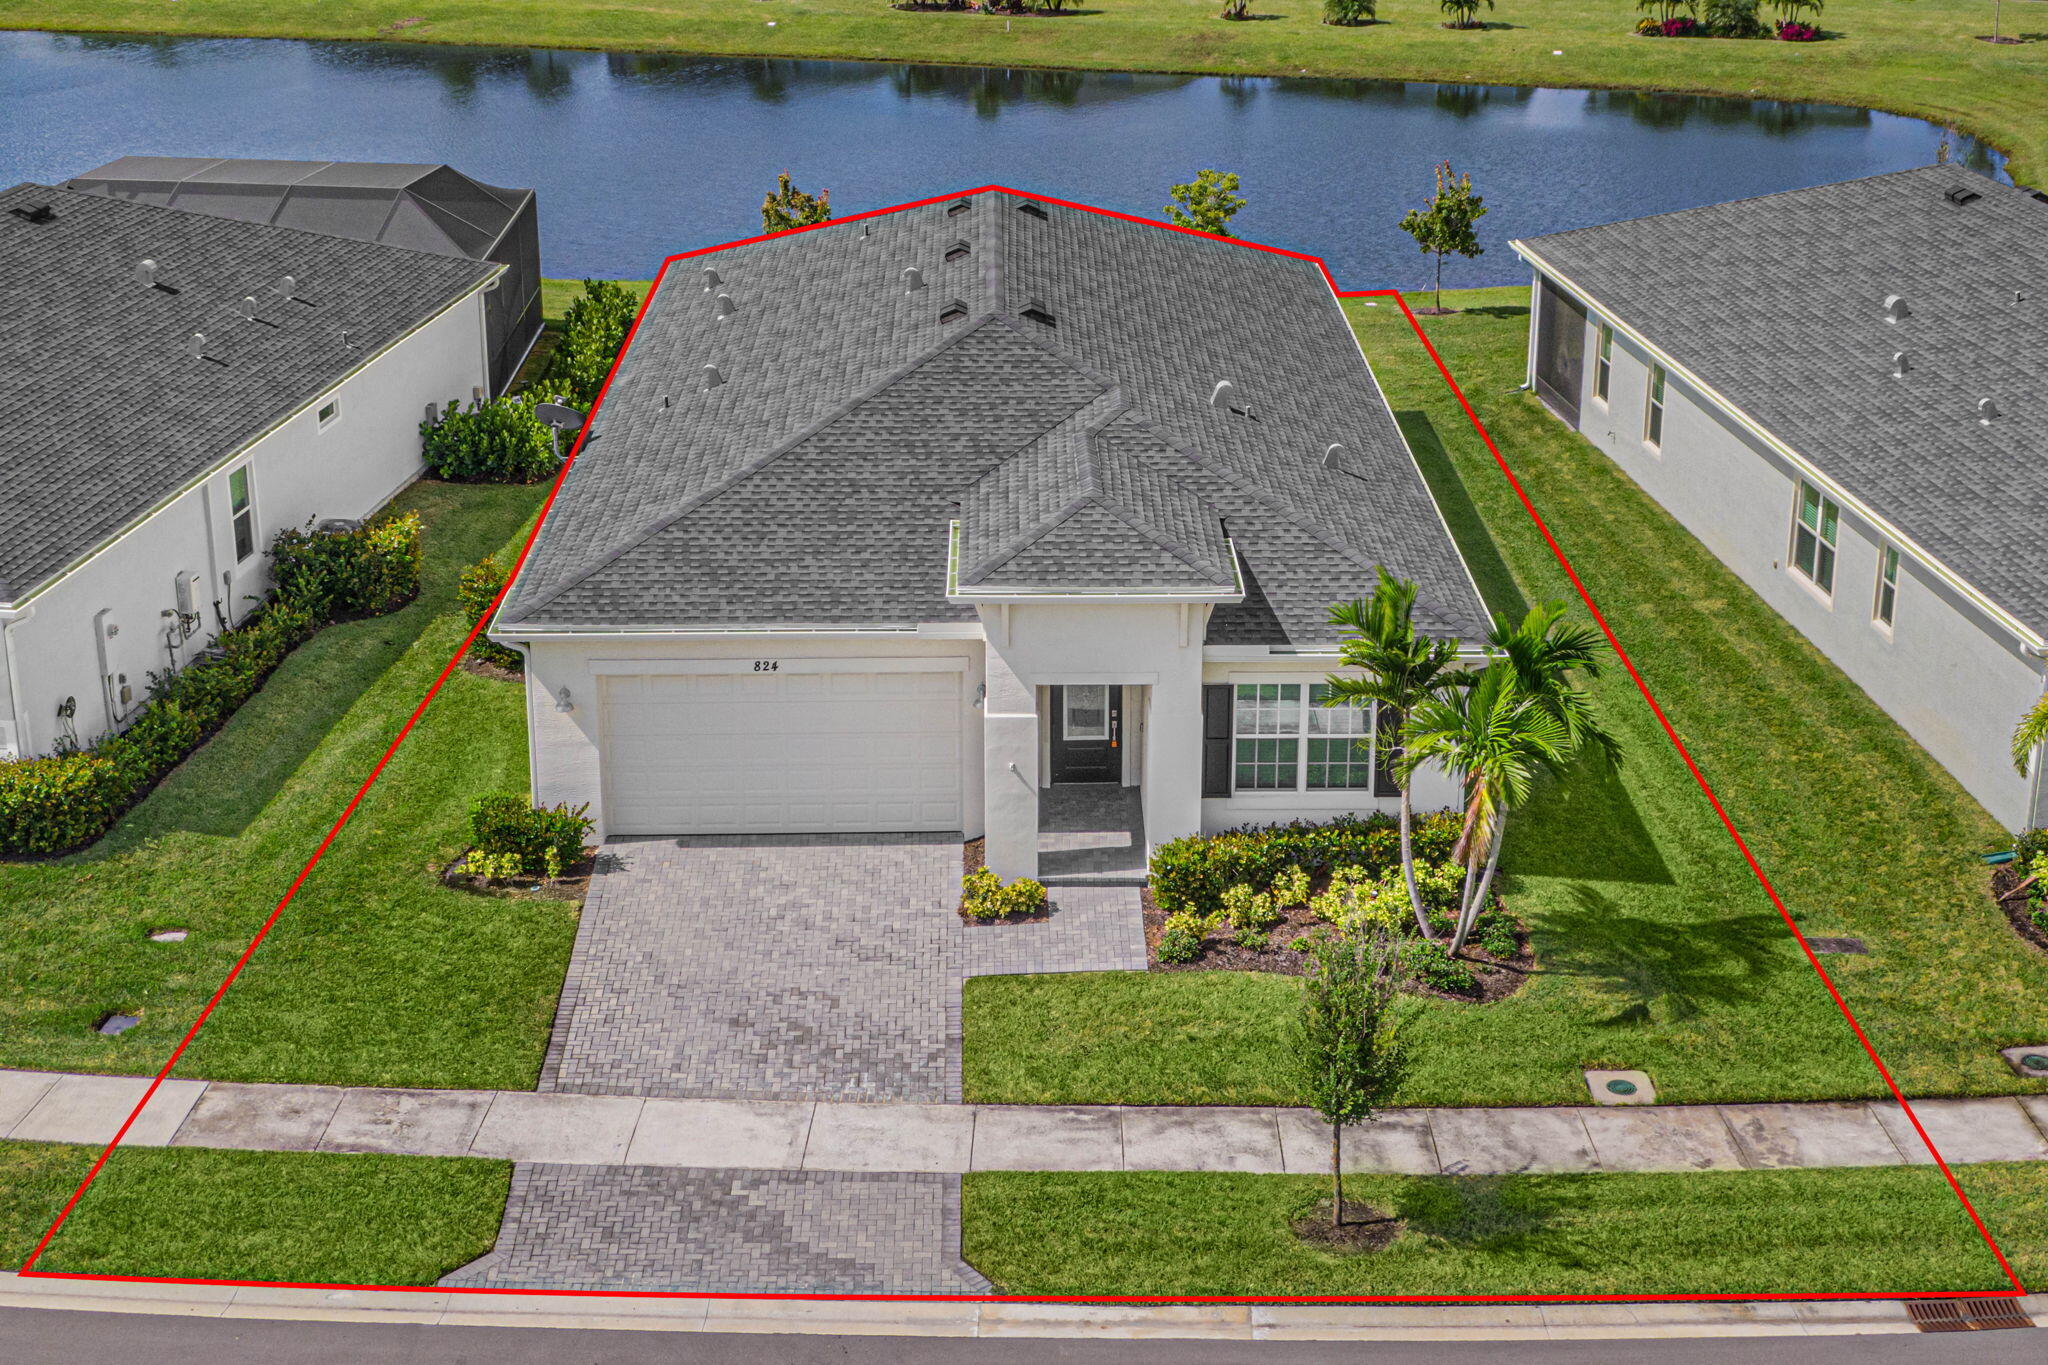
[[636, 157]]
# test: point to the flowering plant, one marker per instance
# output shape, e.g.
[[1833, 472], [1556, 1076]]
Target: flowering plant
[[1792, 31]]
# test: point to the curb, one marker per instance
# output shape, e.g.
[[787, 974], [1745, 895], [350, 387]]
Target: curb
[[1223, 1322]]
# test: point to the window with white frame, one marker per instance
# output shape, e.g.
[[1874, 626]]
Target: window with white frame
[[1653, 416], [1286, 737], [1814, 530], [1887, 586], [329, 410], [1603, 363], [242, 509]]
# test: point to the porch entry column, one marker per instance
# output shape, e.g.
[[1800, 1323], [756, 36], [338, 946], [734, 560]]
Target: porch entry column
[[1172, 783], [1009, 747]]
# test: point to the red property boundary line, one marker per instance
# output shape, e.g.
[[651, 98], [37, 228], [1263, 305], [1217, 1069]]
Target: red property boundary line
[[348, 812]]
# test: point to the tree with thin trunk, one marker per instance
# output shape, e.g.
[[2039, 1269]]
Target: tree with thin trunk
[[789, 207], [1207, 203], [1447, 222], [1397, 670], [2031, 734], [1348, 1042], [1494, 739]]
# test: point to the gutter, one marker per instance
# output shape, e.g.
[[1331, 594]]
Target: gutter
[[2030, 640]]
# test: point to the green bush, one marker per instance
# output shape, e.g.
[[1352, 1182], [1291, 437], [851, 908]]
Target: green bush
[[48, 805], [1181, 938], [1192, 873], [499, 441], [1733, 19], [2031, 845], [338, 575], [594, 327], [1350, 12], [984, 897], [1431, 964], [479, 586], [544, 839]]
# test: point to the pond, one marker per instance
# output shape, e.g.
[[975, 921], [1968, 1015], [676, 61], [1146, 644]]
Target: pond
[[636, 157]]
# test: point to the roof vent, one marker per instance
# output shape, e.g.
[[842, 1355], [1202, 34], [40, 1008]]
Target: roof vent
[[35, 213], [726, 306], [1033, 211], [249, 307], [1220, 396], [711, 279], [286, 287], [913, 279], [952, 313], [958, 251], [1037, 313], [195, 346], [1987, 411], [1895, 307], [1961, 195], [145, 273], [1900, 365], [958, 207], [712, 378], [1333, 455]]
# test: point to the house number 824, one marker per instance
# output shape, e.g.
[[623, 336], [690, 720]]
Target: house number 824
[[767, 665]]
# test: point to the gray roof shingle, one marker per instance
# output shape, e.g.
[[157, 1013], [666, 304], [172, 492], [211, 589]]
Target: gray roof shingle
[[1060, 413], [107, 414], [1778, 303]]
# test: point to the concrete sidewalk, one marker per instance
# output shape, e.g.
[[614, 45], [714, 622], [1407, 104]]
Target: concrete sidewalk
[[604, 1130]]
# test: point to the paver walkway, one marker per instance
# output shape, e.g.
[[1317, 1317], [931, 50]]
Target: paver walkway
[[825, 1137], [787, 968]]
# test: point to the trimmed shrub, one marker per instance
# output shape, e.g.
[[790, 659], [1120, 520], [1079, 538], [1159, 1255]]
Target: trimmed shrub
[[1734, 18], [1432, 965], [594, 327], [48, 805], [544, 839], [335, 576], [499, 441], [1346, 13], [1192, 873], [984, 897], [1181, 938], [479, 586]]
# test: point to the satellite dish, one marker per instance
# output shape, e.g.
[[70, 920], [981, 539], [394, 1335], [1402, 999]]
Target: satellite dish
[[558, 416]]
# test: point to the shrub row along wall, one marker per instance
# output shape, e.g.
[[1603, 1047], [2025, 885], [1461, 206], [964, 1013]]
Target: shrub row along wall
[[1192, 873], [68, 800]]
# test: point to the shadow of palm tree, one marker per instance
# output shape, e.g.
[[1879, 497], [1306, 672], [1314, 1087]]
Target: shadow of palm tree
[[1586, 827], [1658, 971], [1491, 1213]]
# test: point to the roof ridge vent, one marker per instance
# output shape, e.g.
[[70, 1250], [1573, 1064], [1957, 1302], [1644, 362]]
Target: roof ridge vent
[[1960, 195], [1895, 308], [913, 279], [1987, 411], [35, 213], [726, 306], [1332, 455], [711, 279], [1900, 365], [712, 378]]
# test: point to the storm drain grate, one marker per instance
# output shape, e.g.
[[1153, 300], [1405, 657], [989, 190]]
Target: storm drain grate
[[1966, 1315], [1854, 946]]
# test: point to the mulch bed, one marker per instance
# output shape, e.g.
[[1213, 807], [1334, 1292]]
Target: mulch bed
[[572, 885], [1364, 1229], [1498, 977], [2005, 882], [484, 668]]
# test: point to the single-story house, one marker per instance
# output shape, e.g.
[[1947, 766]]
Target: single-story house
[[1843, 392], [896, 523], [176, 388], [425, 207]]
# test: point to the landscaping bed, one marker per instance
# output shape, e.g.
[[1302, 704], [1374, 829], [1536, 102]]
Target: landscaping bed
[[2020, 889], [572, 885]]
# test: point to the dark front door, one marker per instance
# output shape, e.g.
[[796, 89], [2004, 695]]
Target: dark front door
[[1087, 733]]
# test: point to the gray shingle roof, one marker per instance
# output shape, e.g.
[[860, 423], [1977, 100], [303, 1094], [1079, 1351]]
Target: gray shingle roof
[[1061, 415], [1778, 303], [107, 414]]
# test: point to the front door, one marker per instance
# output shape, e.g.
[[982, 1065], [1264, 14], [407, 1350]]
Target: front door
[[1087, 733]]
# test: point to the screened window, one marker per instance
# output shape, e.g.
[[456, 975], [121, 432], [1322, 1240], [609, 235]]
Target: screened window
[[1603, 363], [1887, 585], [1653, 420], [243, 512], [1813, 537], [1286, 739]]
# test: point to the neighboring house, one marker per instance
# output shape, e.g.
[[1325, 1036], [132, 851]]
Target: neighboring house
[[427, 208], [1843, 392], [894, 523], [176, 388]]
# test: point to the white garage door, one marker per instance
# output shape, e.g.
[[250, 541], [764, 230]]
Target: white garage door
[[782, 752]]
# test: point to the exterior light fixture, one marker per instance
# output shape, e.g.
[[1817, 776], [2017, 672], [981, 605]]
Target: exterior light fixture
[[562, 701]]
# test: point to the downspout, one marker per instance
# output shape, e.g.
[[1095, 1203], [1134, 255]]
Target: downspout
[[1535, 318], [10, 617]]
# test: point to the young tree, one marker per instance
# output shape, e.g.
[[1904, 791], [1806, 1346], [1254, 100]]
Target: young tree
[[1207, 203], [1446, 223], [2031, 734], [1400, 669], [1494, 739], [789, 207], [1462, 11], [1347, 1037]]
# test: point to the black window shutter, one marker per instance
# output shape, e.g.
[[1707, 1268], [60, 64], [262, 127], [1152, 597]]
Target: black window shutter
[[1216, 739], [1386, 751]]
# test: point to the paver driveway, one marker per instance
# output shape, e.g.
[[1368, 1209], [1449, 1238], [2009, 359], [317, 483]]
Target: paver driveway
[[786, 968]]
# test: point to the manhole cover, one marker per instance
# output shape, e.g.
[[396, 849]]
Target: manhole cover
[[1621, 1087], [2035, 1061], [116, 1023], [169, 936], [1839, 945]]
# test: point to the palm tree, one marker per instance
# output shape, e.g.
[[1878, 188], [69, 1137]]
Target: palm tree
[[2031, 734], [1400, 669], [1494, 738]]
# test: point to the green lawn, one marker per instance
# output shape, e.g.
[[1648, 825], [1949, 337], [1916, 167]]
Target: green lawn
[[376, 974], [1891, 1229], [299, 1216], [1656, 947], [1913, 56]]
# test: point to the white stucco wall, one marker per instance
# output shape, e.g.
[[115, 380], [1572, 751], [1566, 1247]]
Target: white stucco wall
[[1954, 679], [299, 470]]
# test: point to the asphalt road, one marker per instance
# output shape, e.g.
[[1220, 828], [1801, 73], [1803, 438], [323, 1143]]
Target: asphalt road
[[34, 1336]]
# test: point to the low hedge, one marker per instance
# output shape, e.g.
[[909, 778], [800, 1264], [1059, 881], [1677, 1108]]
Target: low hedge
[[1193, 872], [504, 825], [499, 441], [594, 327], [336, 576], [479, 586]]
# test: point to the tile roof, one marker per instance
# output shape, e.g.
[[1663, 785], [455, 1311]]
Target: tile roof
[[107, 413], [1779, 304], [799, 421]]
